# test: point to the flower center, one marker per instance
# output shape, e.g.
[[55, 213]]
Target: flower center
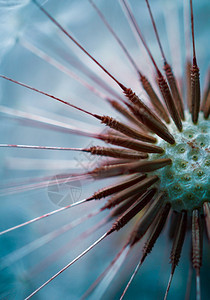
[[186, 181]]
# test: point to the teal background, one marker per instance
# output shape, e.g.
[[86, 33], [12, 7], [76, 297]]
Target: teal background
[[22, 20]]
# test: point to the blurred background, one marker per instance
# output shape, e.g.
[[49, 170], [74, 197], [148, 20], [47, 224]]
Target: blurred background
[[24, 28]]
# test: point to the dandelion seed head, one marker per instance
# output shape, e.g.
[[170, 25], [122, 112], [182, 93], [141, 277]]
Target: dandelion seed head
[[127, 161], [186, 181]]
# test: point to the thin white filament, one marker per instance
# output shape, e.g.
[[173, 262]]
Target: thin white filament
[[68, 265], [43, 216]]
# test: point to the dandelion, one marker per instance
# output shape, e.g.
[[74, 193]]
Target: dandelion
[[152, 170]]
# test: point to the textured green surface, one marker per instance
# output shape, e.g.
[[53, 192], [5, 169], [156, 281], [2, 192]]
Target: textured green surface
[[187, 180]]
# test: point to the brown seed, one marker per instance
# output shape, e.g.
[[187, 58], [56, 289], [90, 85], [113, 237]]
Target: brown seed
[[127, 130], [146, 220], [130, 144], [153, 124], [116, 152], [137, 188], [206, 208], [169, 101], [195, 91], [133, 210], [174, 89], [154, 99], [125, 112], [158, 226], [107, 191]]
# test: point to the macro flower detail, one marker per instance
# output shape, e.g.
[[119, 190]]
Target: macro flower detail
[[152, 166], [186, 179]]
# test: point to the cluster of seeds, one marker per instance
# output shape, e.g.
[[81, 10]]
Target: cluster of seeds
[[186, 181], [161, 159]]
